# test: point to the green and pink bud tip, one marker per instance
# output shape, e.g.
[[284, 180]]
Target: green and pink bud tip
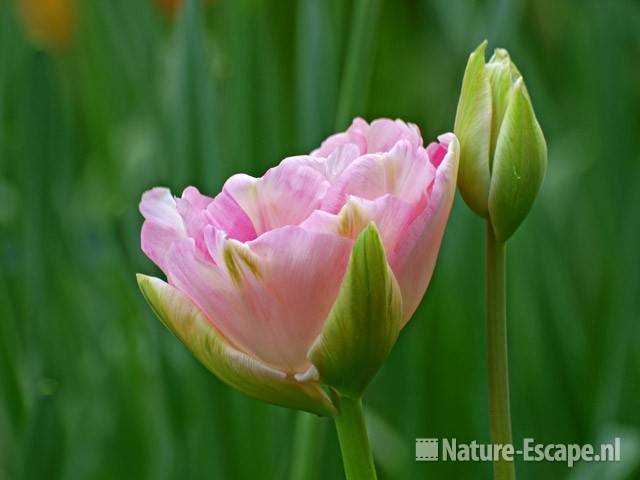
[[299, 282], [503, 154]]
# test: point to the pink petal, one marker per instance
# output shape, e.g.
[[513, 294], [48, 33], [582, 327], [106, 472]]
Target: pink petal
[[339, 160], [158, 205], [380, 136], [271, 296], [285, 195], [353, 136], [215, 239], [225, 214], [390, 215], [163, 224], [403, 172], [384, 133], [331, 167], [415, 255], [436, 152], [192, 208], [195, 198], [169, 219]]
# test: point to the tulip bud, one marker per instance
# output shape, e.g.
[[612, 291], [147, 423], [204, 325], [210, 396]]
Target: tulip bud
[[503, 154]]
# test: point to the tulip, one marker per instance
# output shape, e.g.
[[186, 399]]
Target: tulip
[[503, 154], [304, 277]]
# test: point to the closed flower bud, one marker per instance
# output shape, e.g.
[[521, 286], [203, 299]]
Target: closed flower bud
[[503, 154]]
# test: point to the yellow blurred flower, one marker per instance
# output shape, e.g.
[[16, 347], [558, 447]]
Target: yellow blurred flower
[[48, 23]]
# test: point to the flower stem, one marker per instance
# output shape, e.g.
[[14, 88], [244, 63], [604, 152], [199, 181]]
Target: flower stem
[[307, 446], [499, 410], [354, 443]]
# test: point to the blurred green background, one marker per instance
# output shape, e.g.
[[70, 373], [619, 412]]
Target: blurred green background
[[100, 100]]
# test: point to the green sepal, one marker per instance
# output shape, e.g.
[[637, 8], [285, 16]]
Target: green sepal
[[232, 366], [519, 164], [364, 322], [473, 129]]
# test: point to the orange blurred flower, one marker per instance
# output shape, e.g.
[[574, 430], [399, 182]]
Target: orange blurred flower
[[49, 23], [172, 7]]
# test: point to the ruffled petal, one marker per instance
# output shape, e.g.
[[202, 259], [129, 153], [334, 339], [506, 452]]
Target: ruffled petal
[[331, 167], [163, 224], [158, 205], [384, 133], [415, 255], [339, 160], [169, 219], [403, 172], [354, 135], [379, 136], [270, 296], [225, 214], [192, 208], [436, 152], [390, 215], [285, 195], [196, 200]]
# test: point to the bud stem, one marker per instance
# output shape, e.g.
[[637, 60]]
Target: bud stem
[[499, 410], [354, 443]]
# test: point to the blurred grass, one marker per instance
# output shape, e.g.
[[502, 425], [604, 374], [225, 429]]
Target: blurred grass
[[92, 386]]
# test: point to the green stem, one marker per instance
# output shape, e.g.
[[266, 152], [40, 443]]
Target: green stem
[[354, 443], [306, 446], [499, 410]]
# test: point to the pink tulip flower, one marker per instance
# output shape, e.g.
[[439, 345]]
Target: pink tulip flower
[[263, 280]]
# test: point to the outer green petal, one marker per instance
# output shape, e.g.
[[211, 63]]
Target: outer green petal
[[502, 74], [232, 366], [364, 322], [519, 165], [473, 129]]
